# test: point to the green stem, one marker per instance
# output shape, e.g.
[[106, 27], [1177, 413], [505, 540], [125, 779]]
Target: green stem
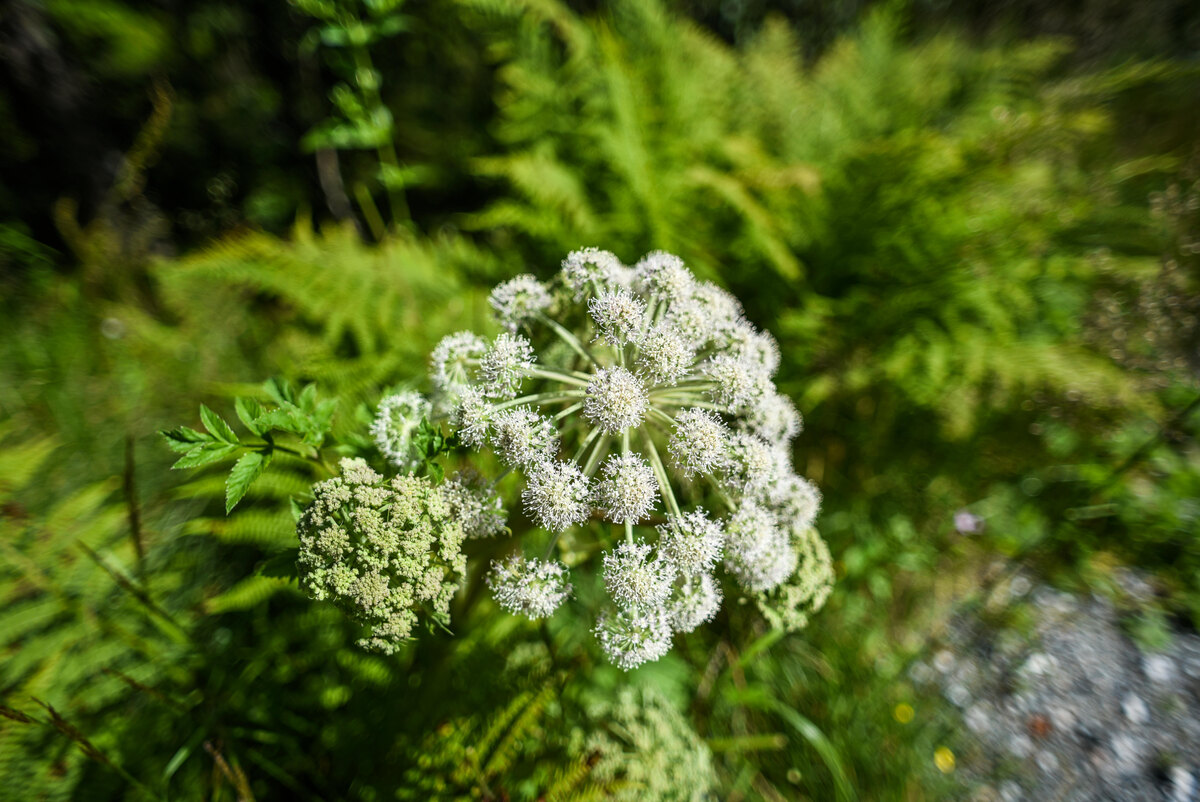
[[568, 411], [660, 472], [664, 417], [591, 438], [540, 398], [496, 481], [387, 149], [554, 375], [570, 339], [594, 460], [671, 402]]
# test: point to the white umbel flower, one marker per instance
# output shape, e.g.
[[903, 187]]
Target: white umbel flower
[[397, 420], [522, 438], [664, 355], [692, 319], [796, 502], [618, 315], [774, 417], [556, 497], [724, 312], [474, 504], [616, 400], [757, 348], [504, 365], [663, 274], [454, 361], [628, 490], [631, 637], [528, 587], [470, 417], [635, 577], [693, 542], [753, 463], [700, 443], [519, 300], [590, 270], [757, 550], [695, 601], [737, 383]]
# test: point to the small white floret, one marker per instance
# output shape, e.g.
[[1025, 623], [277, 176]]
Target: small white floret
[[395, 423], [556, 497], [636, 577], [616, 400], [519, 300], [628, 489], [631, 637], [528, 587]]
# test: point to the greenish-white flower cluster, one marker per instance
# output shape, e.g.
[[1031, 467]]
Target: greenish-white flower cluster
[[382, 550], [642, 397]]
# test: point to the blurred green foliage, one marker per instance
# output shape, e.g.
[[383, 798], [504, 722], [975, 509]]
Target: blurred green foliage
[[979, 256]]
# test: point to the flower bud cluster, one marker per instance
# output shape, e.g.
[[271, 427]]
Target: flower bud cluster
[[382, 550]]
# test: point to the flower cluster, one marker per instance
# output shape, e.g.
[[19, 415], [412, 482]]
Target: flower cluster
[[639, 396], [381, 550]]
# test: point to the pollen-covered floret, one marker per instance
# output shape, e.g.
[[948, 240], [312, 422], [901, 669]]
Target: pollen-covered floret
[[519, 300], [628, 490], [522, 438], [757, 551], [789, 606], [616, 400], [724, 309], [470, 417], [475, 505], [504, 365], [556, 497], [692, 541], [453, 364], [796, 502], [737, 383], [700, 443], [381, 550], [695, 601], [663, 274], [774, 417], [590, 270], [396, 422], [753, 463], [529, 587], [663, 355], [632, 636], [636, 577], [618, 315], [757, 348]]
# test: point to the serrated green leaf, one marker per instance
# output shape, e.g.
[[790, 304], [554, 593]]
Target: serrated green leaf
[[205, 455], [279, 389], [287, 420], [248, 411], [218, 427], [308, 398], [245, 471], [297, 509], [182, 439]]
